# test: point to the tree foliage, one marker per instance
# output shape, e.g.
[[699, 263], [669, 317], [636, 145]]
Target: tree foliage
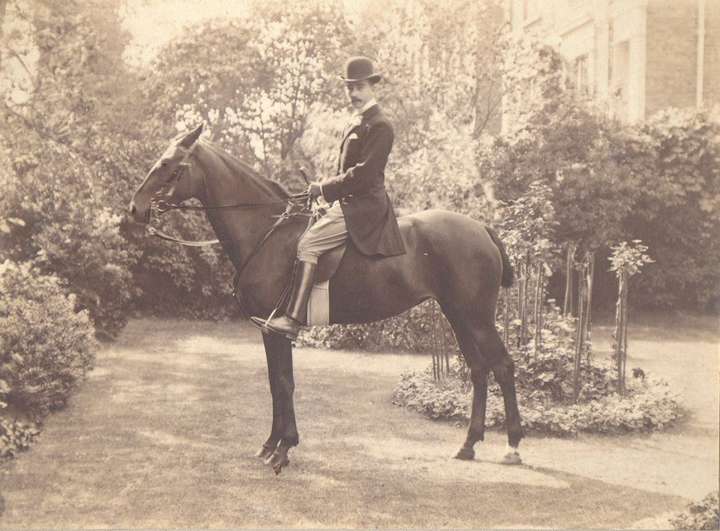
[[437, 59], [255, 80], [554, 138], [655, 181], [675, 158], [59, 152]]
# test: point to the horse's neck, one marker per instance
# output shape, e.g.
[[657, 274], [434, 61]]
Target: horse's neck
[[240, 230]]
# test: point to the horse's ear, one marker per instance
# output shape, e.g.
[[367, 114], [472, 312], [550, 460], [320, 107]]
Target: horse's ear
[[192, 137]]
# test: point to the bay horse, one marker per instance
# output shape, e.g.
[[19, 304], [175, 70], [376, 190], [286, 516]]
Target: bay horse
[[450, 258]]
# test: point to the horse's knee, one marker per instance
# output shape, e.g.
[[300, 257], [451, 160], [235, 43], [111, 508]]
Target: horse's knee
[[505, 370], [478, 375]]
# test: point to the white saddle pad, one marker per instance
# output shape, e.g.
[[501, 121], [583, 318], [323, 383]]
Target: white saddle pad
[[318, 311]]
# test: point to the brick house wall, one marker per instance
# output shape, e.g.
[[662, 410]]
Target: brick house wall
[[711, 84], [671, 68], [642, 54]]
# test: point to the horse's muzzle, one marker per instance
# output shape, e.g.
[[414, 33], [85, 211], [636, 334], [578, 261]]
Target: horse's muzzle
[[137, 215]]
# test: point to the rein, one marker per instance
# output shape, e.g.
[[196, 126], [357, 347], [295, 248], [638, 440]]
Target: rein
[[162, 206]]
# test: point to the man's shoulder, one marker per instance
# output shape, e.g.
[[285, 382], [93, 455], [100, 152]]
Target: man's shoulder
[[378, 117]]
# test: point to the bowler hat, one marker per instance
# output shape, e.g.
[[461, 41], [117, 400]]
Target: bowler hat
[[360, 69]]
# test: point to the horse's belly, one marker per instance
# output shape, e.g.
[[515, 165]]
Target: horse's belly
[[449, 257]]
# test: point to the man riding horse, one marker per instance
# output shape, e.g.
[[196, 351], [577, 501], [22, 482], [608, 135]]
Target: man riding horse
[[361, 209]]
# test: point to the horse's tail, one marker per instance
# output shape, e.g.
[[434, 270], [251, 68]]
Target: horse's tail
[[507, 271]]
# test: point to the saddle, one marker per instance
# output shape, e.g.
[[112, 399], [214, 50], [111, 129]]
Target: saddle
[[328, 263]]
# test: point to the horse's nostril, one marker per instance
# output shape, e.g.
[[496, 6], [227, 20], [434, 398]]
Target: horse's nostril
[[132, 208]]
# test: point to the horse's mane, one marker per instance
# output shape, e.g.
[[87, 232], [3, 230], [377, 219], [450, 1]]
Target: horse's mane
[[263, 185]]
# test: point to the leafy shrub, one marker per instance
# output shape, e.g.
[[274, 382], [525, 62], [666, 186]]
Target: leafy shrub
[[649, 405], [15, 436], [46, 346], [700, 515], [446, 399], [544, 383]]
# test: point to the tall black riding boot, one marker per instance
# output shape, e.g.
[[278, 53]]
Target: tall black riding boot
[[296, 313]]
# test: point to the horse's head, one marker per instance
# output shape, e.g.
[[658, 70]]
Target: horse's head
[[171, 180]]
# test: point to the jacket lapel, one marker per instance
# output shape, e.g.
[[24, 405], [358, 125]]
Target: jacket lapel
[[353, 125]]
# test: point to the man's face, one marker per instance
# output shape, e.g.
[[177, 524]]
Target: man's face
[[359, 93]]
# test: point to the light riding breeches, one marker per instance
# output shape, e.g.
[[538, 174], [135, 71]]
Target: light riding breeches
[[326, 234]]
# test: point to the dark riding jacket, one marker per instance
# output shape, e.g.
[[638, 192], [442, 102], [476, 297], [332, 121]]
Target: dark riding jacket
[[360, 185]]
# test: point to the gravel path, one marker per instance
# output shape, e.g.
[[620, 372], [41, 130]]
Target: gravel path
[[164, 431]]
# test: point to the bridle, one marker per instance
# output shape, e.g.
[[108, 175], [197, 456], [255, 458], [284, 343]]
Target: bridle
[[295, 205]]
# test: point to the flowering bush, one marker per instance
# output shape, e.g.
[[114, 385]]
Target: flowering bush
[[46, 346], [700, 515], [649, 405]]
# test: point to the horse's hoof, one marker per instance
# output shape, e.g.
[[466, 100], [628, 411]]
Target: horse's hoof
[[466, 454], [278, 459], [278, 462], [264, 452], [277, 467], [511, 458]]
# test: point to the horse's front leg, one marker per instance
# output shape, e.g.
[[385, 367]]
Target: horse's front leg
[[283, 435], [272, 441]]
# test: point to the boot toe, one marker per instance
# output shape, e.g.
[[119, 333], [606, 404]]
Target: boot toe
[[284, 326]]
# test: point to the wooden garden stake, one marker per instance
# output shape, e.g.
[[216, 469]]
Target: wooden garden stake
[[569, 260], [580, 329], [590, 276], [627, 259], [539, 290]]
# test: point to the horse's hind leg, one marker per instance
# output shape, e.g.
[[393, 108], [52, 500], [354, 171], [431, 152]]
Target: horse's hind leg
[[503, 367], [478, 376], [476, 430], [484, 351]]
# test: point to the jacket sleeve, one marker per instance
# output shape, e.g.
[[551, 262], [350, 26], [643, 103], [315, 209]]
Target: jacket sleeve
[[360, 177]]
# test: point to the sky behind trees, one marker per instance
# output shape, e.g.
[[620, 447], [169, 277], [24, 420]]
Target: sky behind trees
[[152, 23]]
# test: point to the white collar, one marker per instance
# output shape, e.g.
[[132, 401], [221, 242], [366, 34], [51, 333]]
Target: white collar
[[370, 103]]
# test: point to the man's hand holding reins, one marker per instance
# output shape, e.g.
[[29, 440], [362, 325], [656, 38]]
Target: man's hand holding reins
[[314, 190]]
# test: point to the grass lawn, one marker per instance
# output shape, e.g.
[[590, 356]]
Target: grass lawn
[[164, 431]]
